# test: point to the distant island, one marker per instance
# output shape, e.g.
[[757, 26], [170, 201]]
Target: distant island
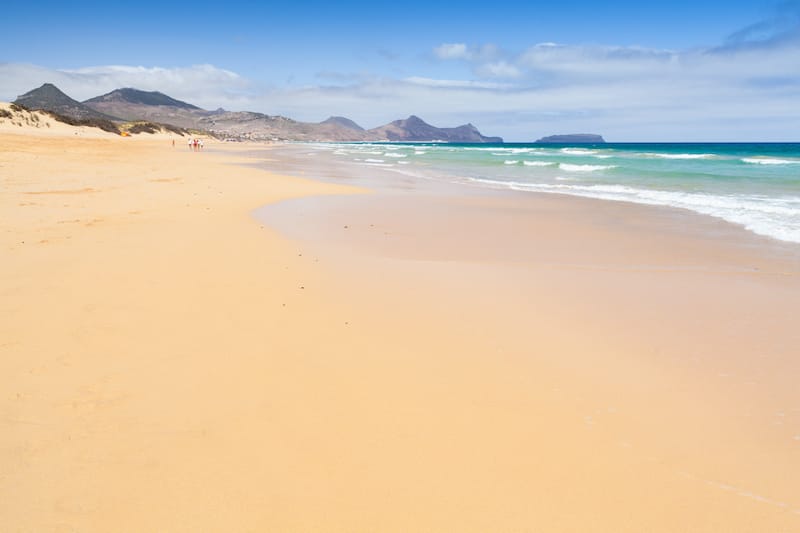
[[130, 105], [573, 138]]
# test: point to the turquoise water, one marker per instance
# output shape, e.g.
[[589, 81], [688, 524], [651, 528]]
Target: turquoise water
[[754, 185]]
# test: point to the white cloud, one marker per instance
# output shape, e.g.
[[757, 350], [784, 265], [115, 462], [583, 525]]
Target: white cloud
[[602, 61], [460, 51], [498, 69], [746, 91], [577, 63], [461, 84], [452, 51]]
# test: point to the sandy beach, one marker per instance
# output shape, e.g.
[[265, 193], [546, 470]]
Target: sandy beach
[[176, 357]]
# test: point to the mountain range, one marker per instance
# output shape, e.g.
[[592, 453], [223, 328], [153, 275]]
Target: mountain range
[[129, 104], [48, 97]]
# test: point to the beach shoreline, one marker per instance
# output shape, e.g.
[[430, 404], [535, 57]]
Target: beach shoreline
[[411, 358], [751, 185]]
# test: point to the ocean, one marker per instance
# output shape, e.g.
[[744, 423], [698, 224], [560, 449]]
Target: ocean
[[755, 185]]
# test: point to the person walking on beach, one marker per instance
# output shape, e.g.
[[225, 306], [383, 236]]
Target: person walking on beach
[[190, 143]]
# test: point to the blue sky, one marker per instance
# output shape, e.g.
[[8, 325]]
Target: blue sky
[[676, 70]]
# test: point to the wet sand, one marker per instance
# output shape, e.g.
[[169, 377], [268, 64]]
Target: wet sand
[[175, 358], [640, 362]]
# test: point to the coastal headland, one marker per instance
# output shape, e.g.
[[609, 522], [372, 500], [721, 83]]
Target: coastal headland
[[176, 356]]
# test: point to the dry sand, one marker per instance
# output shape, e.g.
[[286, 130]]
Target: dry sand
[[169, 363]]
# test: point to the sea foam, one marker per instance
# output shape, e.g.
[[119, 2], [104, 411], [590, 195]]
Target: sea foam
[[763, 216], [578, 151], [583, 168], [683, 156], [770, 161]]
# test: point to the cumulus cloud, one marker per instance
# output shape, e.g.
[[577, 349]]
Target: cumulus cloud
[[596, 61], [759, 53], [745, 88], [563, 64], [460, 51], [452, 51], [498, 69], [460, 84]]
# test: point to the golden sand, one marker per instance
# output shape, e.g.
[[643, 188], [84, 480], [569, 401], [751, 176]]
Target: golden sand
[[169, 363]]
